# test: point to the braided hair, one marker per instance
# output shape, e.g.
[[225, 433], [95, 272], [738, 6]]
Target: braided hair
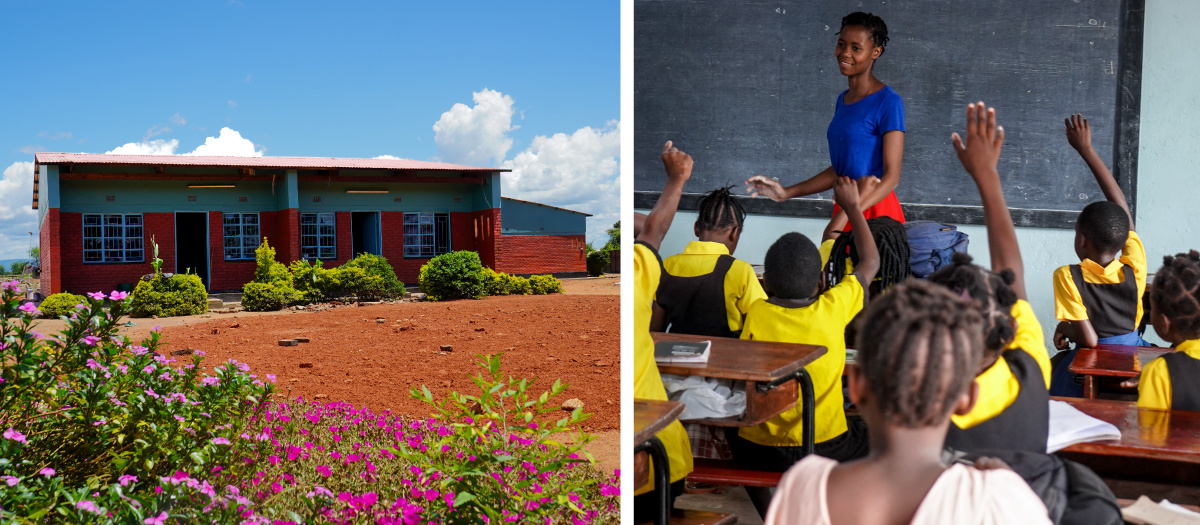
[[720, 210], [1176, 293], [873, 24], [892, 241], [919, 349], [992, 294]]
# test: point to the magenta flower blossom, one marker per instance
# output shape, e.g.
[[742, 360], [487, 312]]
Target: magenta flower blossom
[[156, 520], [15, 436], [324, 470], [91, 340], [87, 505], [271, 377], [157, 328], [126, 480], [210, 380], [117, 296], [30, 309], [46, 472], [220, 441], [11, 481], [99, 296]]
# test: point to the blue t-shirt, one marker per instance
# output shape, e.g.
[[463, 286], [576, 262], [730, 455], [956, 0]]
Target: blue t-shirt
[[856, 132]]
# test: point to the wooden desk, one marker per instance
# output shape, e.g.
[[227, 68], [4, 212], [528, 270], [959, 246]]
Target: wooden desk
[[649, 417], [1112, 361], [771, 372], [1155, 445]]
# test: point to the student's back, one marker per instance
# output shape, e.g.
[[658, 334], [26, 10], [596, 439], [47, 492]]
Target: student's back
[[704, 290], [1172, 382]]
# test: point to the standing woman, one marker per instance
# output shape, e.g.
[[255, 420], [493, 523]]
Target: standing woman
[[866, 136]]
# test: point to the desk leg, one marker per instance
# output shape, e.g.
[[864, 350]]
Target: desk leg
[[662, 477], [1089, 387], [809, 406]]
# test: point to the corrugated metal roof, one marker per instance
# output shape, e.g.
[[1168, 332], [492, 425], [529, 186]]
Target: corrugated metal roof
[[546, 205], [320, 163]]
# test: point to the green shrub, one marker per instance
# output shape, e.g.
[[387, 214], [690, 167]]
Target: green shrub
[[517, 285], [312, 282], [60, 304], [179, 294], [267, 269], [596, 261], [370, 277], [454, 275], [494, 283], [262, 297], [544, 284]]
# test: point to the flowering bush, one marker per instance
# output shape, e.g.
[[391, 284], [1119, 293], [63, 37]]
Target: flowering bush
[[97, 429]]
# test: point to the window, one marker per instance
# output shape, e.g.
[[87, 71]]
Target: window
[[113, 238], [241, 235], [318, 236], [426, 234]]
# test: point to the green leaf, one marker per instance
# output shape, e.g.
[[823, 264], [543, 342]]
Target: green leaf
[[463, 497], [428, 395], [196, 457]]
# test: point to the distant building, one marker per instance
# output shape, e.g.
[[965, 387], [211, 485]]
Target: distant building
[[97, 214]]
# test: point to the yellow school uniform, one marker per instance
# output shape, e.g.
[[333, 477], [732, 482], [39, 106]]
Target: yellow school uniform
[[742, 288], [821, 323], [1154, 387], [998, 387], [647, 384], [1068, 305]]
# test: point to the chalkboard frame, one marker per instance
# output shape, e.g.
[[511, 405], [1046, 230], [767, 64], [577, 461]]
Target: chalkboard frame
[[1125, 151]]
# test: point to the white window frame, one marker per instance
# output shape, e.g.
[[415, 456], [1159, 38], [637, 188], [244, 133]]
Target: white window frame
[[116, 238], [422, 243], [325, 246], [238, 242]]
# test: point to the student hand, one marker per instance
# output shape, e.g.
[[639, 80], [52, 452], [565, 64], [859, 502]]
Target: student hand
[[677, 163], [1061, 341], [760, 186], [980, 153], [1079, 133], [1130, 383], [845, 193], [988, 463]]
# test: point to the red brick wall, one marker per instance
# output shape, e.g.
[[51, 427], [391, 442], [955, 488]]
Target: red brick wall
[[541, 254], [286, 237], [49, 253], [232, 275], [76, 277]]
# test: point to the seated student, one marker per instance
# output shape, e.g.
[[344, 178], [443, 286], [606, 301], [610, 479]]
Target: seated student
[[1012, 412], [1099, 299], [920, 346], [800, 312], [1172, 382], [647, 383], [838, 254], [705, 291]]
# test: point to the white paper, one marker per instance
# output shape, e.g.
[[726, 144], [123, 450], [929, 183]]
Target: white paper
[[1069, 426]]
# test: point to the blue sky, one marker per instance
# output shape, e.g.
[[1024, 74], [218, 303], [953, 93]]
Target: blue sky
[[531, 86]]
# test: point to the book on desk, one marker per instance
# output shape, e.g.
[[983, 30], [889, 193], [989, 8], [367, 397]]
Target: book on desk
[[1069, 425], [682, 351]]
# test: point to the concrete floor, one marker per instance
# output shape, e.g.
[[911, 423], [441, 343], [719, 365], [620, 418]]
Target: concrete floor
[[733, 501]]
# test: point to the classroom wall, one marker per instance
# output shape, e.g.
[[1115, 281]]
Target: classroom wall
[[1168, 156]]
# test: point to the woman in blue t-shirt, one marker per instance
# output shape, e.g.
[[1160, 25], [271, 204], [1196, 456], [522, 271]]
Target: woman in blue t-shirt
[[866, 136]]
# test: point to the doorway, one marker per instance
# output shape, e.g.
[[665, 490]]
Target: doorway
[[191, 244], [364, 229]]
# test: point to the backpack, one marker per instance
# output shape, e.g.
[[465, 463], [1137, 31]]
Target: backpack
[[931, 244], [1073, 494]]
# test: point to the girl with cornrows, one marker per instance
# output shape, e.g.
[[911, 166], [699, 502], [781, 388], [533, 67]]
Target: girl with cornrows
[[1170, 382], [866, 135]]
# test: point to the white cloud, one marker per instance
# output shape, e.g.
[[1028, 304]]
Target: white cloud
[[17, 216], [29, 150], [232, 103], [387, 157], [476, 136], [157, 130], [229, 144], [178, 119], [148, 147]]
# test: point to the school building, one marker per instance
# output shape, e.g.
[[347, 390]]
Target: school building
[[98, 213]]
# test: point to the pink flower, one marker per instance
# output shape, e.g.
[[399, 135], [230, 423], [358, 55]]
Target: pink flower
[[271, 377], [30, 309], [91, 340], [117, 296], [324, 470], [87, 505], [99, 296], [15, 436], [11, 481], [157, 328], [220, 441], [126, 480], [156, 520], [210, 380], [46, 472]]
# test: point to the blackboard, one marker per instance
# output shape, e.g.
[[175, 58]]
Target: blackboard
[[749, 86]]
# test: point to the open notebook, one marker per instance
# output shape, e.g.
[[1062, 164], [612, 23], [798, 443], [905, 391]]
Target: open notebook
[[1069, 426]]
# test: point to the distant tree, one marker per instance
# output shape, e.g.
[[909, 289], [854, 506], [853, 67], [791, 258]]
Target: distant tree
[[614, 237], [18, 267], [36, 253]]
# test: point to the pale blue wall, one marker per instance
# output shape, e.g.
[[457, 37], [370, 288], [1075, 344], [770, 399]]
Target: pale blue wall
[[413, 196], [525, 218], [1168, 156]]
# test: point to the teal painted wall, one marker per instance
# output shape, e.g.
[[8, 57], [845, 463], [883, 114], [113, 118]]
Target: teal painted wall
[[413, 196], [88, 196], [287, 191], [47, 191], [523, 218]]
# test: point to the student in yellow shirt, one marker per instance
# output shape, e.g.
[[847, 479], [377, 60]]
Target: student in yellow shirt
[[1098, 300], [1012, 411], [800, 311], [705, 291], [1171, 381], [647, 384]]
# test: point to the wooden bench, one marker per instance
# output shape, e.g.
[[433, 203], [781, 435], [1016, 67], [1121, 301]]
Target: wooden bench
[[730, 472], [1155, 446], [698, 517]]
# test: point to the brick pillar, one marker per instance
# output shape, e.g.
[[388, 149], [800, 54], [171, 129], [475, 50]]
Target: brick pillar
[[50, 255]]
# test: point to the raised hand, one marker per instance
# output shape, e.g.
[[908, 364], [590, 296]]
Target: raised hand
[[760, 186], [980, 153], [1079, 133], [845, 193], [677, 163]]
